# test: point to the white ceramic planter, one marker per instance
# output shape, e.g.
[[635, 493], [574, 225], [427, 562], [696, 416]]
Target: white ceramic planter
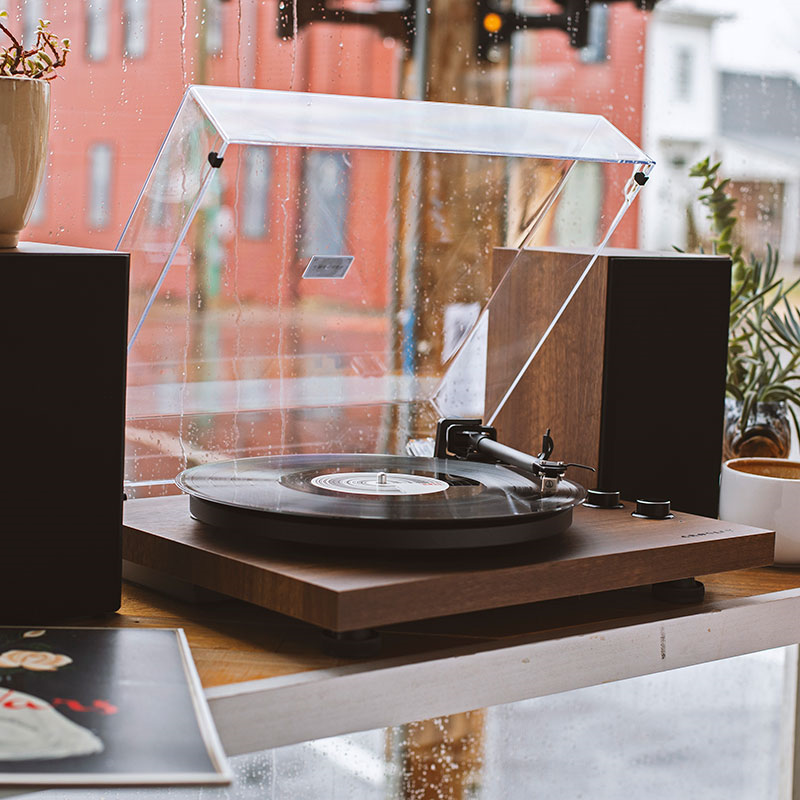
[[24, 126], [764, 492]]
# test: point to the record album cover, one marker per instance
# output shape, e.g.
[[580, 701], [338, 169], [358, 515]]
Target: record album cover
[[103, 706]]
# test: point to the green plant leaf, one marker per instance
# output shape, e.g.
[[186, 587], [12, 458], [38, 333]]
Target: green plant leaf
[[764, 329], [794, 420]]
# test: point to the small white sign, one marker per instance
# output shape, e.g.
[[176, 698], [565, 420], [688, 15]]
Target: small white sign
[[328, 266]]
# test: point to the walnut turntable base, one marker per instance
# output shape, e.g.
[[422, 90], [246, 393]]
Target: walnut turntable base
[[346, 590]]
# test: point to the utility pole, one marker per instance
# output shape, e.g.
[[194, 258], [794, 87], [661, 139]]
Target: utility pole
[[437, 202]]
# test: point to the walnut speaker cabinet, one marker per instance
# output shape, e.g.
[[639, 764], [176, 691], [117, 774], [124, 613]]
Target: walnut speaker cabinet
[[632, 379], [63, 327]]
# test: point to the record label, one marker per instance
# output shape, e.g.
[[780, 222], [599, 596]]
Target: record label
[[379, 483]]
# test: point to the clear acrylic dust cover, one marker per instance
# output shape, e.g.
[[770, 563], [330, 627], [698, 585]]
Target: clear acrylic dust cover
[[328, 274]]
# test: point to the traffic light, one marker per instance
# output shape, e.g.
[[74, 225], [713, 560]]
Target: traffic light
[[496, 21], [494, 26]]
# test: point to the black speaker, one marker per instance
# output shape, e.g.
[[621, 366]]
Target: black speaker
[[665, 360], [63, 323], [632, 379]]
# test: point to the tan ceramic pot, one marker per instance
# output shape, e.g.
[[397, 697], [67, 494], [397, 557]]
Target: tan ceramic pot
[[24, 125]]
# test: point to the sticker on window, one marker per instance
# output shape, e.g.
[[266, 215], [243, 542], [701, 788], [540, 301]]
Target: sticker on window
[[328, 266]]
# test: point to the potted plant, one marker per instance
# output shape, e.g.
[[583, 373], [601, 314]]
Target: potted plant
[[25, 112], [763, 379]]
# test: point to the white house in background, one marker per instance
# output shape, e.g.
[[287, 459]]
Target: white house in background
[[759, 144], [679, 120], [697, 102]]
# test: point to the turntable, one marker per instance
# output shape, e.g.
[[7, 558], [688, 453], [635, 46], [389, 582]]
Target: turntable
[[320, 352], [390, 502]]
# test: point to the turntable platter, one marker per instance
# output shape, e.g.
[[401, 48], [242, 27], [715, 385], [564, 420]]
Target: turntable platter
[[378, 501]]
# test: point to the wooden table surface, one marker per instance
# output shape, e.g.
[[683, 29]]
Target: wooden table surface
[[232, 641], [269, 684]]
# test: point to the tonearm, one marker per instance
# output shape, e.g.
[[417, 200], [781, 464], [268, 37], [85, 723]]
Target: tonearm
[[470, 440]]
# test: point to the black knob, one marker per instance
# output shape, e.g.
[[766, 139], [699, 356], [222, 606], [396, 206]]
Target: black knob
[[652, 509], [597, 498]]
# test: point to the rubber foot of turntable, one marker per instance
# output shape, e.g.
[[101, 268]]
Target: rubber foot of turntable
[[685, 590], [363, 643]]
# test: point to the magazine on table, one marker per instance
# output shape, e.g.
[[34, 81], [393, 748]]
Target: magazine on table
[[104, 706]]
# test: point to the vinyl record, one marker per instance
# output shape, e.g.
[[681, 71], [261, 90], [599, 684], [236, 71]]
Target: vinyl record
[[377, 500]]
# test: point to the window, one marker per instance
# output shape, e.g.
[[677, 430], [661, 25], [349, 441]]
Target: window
[[596, 50], [99, 208], [578, 212], [650, 59], [656, 75], [257, 174], [134, 21], [214, 31], [32, 12], [327, 186], [97, 29], [684, 69]]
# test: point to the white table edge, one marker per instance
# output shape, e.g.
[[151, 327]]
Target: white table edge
[[283, 710]]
